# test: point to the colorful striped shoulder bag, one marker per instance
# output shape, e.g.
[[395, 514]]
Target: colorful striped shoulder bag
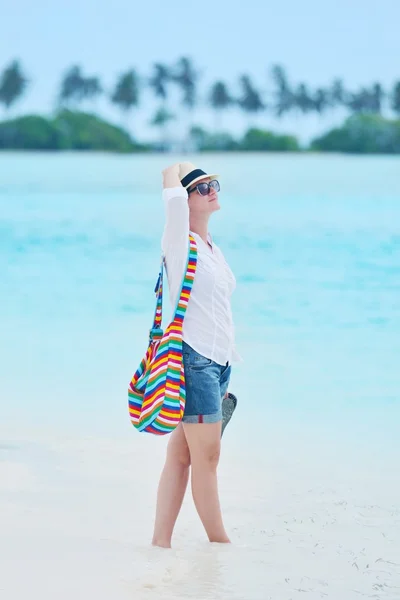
[[156, 393]]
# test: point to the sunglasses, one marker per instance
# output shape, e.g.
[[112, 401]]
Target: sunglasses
[[204, 188]]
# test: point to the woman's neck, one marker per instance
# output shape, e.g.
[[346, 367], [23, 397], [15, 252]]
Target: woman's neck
[[200, 226]]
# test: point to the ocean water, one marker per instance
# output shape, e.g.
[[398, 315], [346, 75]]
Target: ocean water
[[314, 242]]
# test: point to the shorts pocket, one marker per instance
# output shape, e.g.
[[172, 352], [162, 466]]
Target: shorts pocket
[[197, 362], [194, 360]]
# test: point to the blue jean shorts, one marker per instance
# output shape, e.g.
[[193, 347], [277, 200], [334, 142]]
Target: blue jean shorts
[[206, 384]]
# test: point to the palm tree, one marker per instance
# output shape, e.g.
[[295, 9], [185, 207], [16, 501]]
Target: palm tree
[[159, 81], [12, 84], [338, 94], [126, 92], [92, 88], [186, 76], [284, 97], [219, 100], [72, 86], [355, 101], [161, 119], [75, 87], [360, 102], [250, 101], [320, 100], [377, 95], [367, 100], [395, 98], [303, 99]]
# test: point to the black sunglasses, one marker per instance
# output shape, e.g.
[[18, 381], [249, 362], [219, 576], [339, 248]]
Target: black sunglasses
[[204, 188]]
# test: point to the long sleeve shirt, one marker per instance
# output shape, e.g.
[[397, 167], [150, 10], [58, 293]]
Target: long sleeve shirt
[[208, 325]]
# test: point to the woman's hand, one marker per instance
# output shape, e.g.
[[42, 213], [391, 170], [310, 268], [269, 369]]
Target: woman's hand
[[171, 176]]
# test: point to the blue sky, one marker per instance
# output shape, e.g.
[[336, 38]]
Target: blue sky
[[315, 41]]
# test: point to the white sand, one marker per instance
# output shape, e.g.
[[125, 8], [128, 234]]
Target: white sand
[[306, 522]]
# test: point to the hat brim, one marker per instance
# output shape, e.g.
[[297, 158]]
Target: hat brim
[[200, 178]]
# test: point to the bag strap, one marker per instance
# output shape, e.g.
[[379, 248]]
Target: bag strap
[[187, 282], [156, 331], [186, 288]]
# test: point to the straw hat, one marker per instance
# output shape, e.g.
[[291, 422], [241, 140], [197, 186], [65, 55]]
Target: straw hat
[[189, 174]]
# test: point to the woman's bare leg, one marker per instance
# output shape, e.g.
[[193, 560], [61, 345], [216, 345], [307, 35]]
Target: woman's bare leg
[[204, 441], [172, 487]]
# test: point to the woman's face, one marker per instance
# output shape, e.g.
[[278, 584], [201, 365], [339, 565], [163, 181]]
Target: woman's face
[[204, 204]]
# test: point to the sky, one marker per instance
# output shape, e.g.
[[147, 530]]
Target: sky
[[357, 40]]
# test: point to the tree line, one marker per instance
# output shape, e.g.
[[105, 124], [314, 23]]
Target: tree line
[[126, 94], [365, 130]]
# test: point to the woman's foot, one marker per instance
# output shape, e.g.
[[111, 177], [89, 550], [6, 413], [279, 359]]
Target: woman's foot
[[161, 544]]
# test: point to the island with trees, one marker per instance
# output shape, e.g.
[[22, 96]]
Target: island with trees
[[371, 122]]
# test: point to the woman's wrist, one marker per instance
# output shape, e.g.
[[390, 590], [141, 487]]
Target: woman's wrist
[[171, 177]]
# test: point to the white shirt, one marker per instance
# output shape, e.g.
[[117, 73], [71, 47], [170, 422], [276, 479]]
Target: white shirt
[[208, 324]]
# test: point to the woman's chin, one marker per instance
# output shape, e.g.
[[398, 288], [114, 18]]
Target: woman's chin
[[214, 205]]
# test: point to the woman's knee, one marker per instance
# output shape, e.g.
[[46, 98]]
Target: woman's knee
[[213, 453], [208, 455], [204, 441], [181, 457]]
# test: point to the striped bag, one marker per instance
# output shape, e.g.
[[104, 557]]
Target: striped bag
[[156, 393]]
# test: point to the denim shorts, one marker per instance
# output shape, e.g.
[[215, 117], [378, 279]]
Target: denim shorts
[[206, 385]]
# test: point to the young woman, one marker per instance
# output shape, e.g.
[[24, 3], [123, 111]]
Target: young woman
[[191, 197]]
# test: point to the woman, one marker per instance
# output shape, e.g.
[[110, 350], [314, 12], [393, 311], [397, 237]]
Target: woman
[[191, 197]]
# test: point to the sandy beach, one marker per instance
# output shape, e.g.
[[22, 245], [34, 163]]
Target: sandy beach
[[307, 520]]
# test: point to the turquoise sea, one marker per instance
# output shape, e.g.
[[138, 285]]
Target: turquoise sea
[[314, 242]]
